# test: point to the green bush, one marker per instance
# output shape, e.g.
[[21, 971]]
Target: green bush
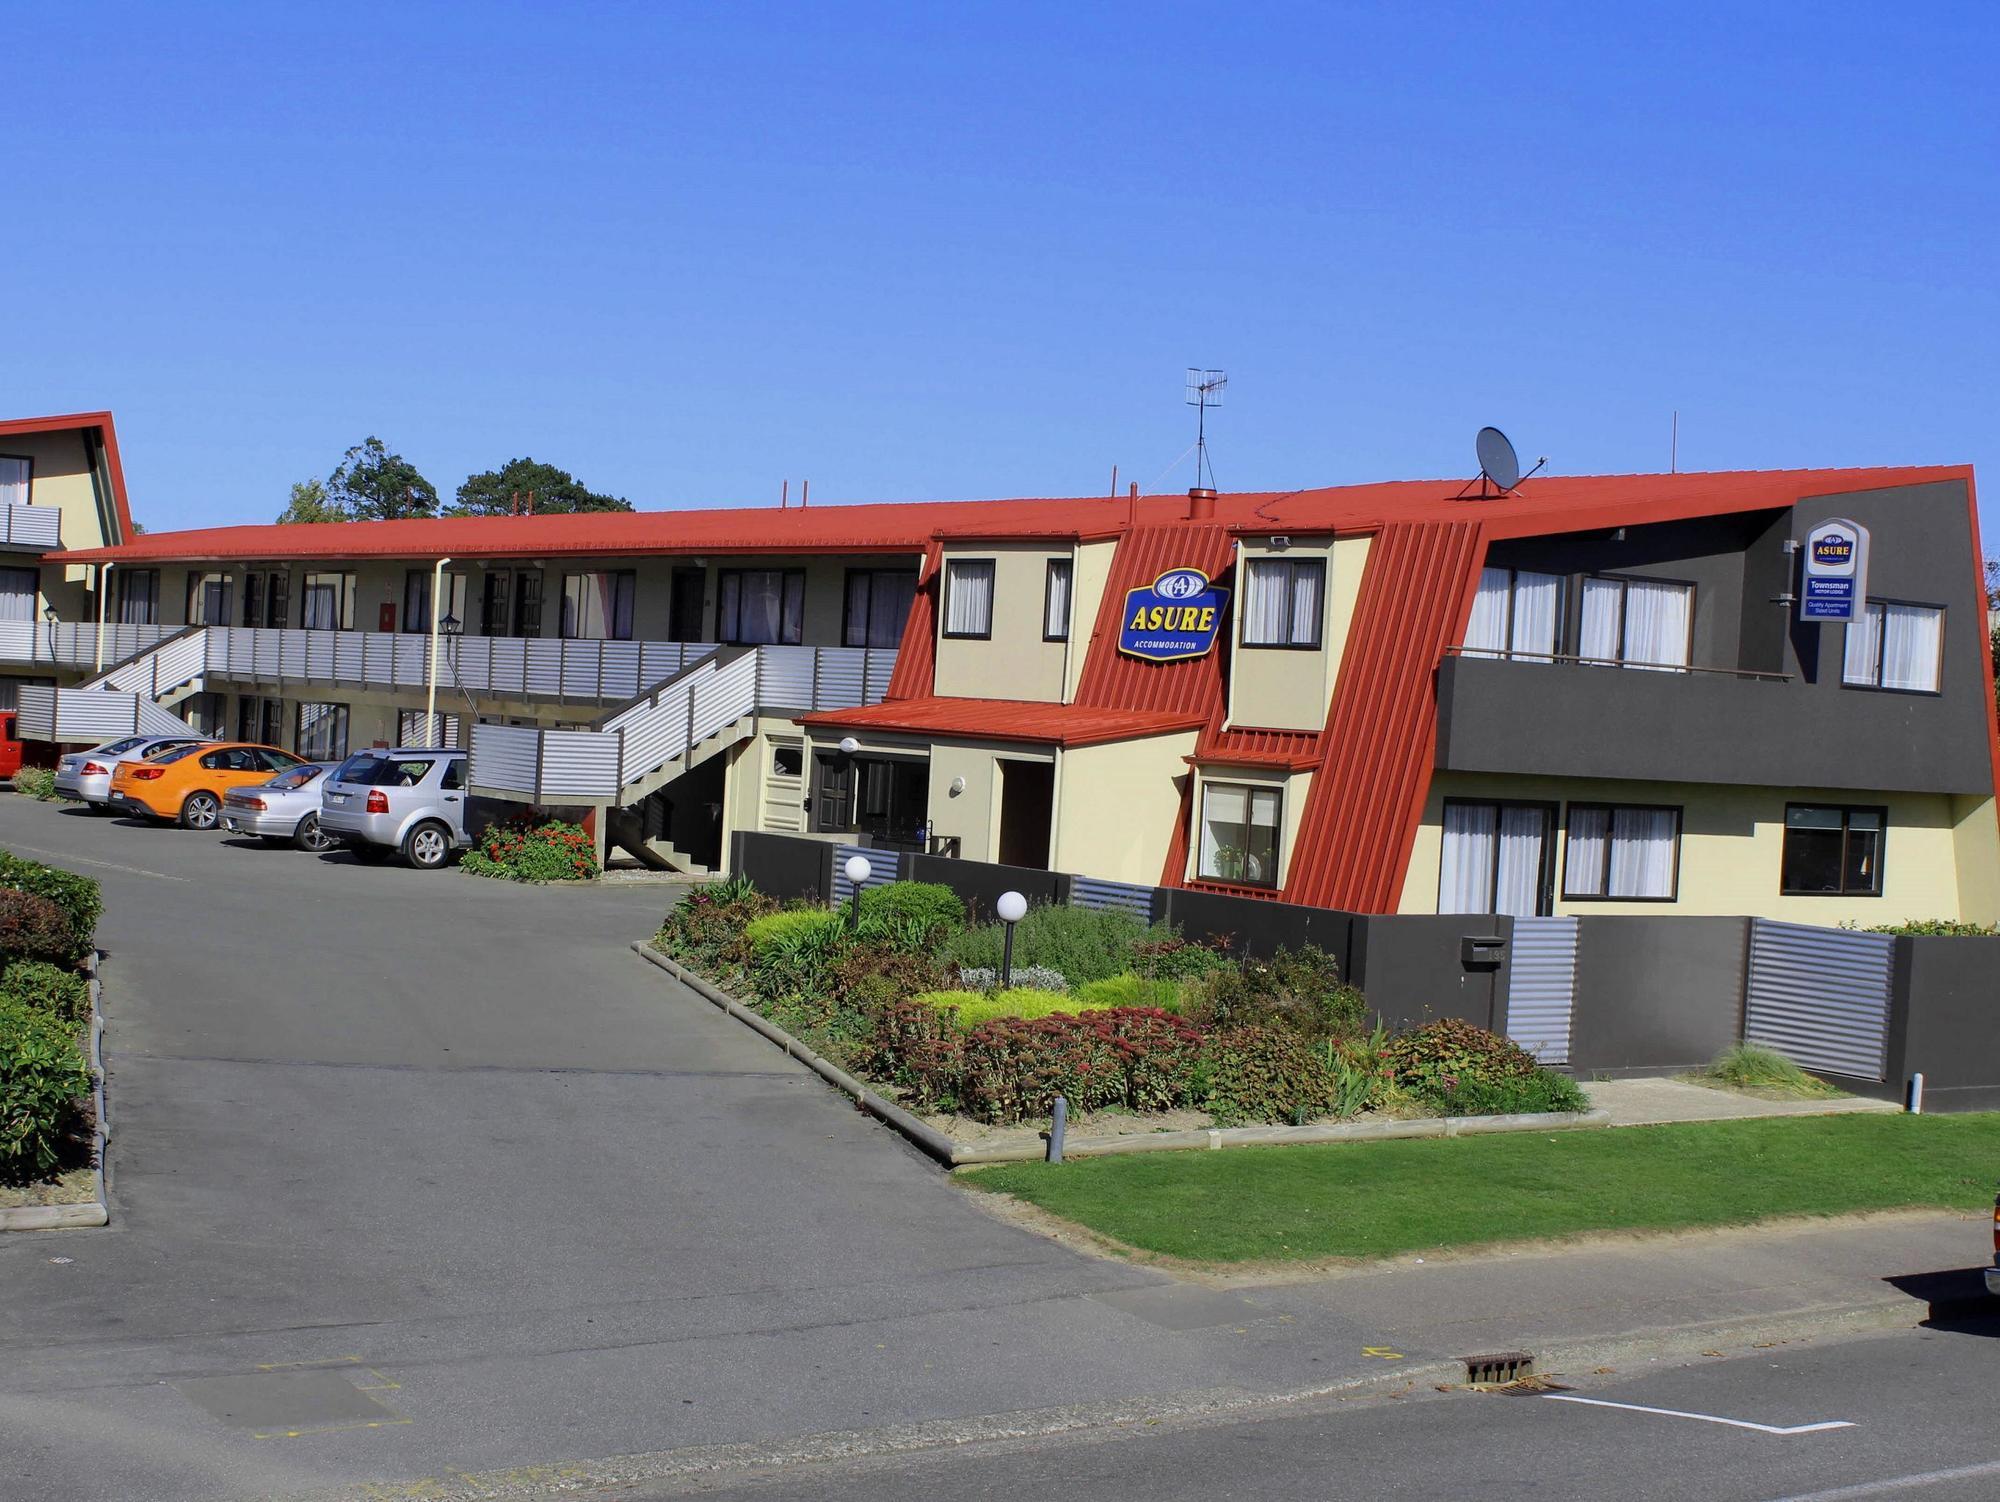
[[1299, 989], [1933, 928], [1749, 1066], [43, 1078], [1164, 955], [793, 954], [36, 782], [786, 927], [37, 986], [1085, 944], [705, 929], [1543, 1090], [34, 928], [79, 897], [1263, 1074], [1445, 1056], [533, 850], [1131, 991], [972, 1008], [929, 904]]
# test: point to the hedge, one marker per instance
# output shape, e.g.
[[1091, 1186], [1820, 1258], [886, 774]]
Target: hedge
[[80, 898], [42, 1078]]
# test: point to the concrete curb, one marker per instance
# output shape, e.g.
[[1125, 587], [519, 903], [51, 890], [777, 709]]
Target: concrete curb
[[94, 1212], [954, 1154]]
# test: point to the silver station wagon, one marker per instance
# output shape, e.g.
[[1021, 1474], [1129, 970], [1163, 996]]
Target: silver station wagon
[[409, 801]]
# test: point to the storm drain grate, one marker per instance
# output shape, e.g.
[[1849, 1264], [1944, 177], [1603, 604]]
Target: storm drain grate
[[1498, 1369]]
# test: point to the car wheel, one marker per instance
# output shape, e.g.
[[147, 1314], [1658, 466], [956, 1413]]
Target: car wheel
[[310, 837], [428, 846], [201, 811], [370, 855]]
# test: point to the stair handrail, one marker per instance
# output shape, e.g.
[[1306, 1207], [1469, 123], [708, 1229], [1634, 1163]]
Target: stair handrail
[[106, 678]]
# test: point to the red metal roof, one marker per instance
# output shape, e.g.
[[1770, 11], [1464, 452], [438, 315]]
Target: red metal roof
[[915, 673], [1111, 679], [1005, 720], [1290, 750], [1547, 503], [71, 422]]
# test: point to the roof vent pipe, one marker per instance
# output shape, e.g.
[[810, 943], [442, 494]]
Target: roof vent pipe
[[1201, 504]]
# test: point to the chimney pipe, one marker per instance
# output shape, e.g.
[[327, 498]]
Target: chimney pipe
[[1201, 504]]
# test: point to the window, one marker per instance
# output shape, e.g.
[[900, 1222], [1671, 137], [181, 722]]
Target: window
[[205, 711], [878, 603], [10, 695], [269, 760], [453, 780], [413, 728], [1895, 646], [758, 607], [788, 761], [1495, 858], [329, 602], [1833, 852], [19, 594], [1630, 853], [417, 600], [260, 720], [1640, 623], [386, 771], [209, 598], [1516, 614], [234, 759], [266, 598], [598, 606], [1239, 834], [1055, 601], [17, 478], [1281, 604], [968, 598], [322, 732], [139, 597]]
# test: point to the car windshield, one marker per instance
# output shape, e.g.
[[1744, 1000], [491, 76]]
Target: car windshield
[[297, 777], [386, 771], [177, 753]]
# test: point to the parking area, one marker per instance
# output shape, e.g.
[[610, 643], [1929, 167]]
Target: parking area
[[451, 1140]]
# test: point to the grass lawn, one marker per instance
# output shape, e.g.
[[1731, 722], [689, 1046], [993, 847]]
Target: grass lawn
[[1371, 1199]]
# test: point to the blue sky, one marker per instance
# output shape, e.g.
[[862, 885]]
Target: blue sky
[[957, 250]]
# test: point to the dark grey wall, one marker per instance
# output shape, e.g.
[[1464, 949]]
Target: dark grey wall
[[1410, 967], [980, 883], [1259, 929], [783, 865], [1947, 1022], [1809, 731], [1656, 993]]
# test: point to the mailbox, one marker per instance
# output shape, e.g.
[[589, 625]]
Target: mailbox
[[1482, 951]]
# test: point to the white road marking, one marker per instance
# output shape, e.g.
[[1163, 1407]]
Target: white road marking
[[1706, 1418], [1899, 1483], [84, 860]]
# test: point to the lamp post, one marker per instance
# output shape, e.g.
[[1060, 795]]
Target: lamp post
[[1012, 908], [431, 703], [858, 870], [453, 628], [103, 601], [49, 615]]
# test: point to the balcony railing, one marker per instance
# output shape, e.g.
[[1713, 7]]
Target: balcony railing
[[31, 528], [74, 644]]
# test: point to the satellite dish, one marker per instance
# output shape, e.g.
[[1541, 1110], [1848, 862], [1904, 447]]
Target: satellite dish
[[1497, 460]]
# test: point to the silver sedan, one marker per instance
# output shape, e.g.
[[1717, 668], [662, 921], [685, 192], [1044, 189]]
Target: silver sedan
[[285, 808]]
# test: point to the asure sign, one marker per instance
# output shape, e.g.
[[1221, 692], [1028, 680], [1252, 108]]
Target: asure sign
[[1835, 587], [1175, 617]]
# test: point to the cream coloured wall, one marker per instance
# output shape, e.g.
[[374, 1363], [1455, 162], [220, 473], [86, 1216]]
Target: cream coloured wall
[[1115, 807], [1732, 840], [1976, 851], [1088, 579], [1015, 663], [1291, 810], [1350, 564], [1280, 688], [61, 478]]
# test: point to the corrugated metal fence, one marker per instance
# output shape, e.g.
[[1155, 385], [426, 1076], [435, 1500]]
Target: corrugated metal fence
[[1088, 891], [1820, 996], [1541, 987], [883, 867]]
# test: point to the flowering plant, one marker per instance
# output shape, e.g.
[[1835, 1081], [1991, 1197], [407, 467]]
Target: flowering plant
[[531, 849]]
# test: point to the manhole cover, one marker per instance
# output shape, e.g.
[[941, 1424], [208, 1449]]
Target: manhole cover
[[269, 1404]]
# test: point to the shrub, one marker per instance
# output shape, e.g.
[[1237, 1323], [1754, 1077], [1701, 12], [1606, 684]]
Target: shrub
[[785, 927], [79, 897], [970, 1009], [916, 1048], [1443, 1056], [1935, 928], [901, 931], [1085, 944], [1170, 957], [1543, 1090], [45, 989], [930, 904], [706, 933], [1030, 977], [34, 928], [43, 1077], [1749, 1066], [36, 782], [1264, 1073], [1299, 989], [867, 977], [792, 954], [1131, 991], [533, 850], [1015, 1067]]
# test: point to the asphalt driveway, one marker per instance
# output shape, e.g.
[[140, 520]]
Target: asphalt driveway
[[450, 1142]]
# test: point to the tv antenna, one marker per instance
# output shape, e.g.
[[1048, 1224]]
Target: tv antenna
[[1499, 466], [1204, 390]]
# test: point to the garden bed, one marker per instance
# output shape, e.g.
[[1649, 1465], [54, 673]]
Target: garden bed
[[1152, 1041]]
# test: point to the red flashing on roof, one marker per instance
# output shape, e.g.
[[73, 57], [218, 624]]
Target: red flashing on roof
[[1065, 725]]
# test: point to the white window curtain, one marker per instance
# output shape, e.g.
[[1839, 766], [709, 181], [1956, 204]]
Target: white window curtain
[[1465, 871], [1306, 581], [1518, 878], [1911, 637], [1264, 610], [1642, 853], [1537, 614], [17, 593], [1486, 633], [760, 605], [968, 607], [1584, 856], [14, 481], [1656, 624], [1225, 809], [1055, 621], [1864, 648], [1603, 620]]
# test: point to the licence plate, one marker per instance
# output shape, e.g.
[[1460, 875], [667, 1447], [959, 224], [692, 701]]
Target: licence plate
[[336, 797]]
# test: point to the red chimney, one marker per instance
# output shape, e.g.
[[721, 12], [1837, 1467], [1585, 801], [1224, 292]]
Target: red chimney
[[1201, 504]]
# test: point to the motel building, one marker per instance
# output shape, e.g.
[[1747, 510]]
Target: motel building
[[1760, 693]]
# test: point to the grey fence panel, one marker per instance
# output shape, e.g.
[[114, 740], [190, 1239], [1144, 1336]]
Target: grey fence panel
[[1088, 891], [785, 676], [31, 526], [883, 863], [1541, 987], [1821, 996], [504, 757]]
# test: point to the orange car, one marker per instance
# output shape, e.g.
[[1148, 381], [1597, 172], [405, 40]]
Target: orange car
[[187, 785]]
